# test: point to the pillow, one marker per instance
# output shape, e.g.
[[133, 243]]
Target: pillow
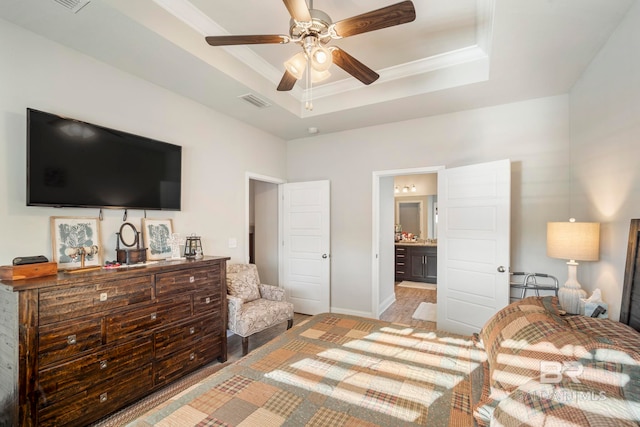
[[242, 282], [521, 336], [597, 354]]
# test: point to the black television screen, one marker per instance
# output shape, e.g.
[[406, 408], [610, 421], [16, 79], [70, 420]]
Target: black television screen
[[73, 163]]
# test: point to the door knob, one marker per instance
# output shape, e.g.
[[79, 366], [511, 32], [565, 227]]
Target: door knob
[[501, 269], [325, 256]]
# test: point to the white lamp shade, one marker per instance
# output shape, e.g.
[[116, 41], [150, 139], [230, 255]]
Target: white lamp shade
[[578, 241]]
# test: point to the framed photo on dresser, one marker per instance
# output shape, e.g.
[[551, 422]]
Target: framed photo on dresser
[[156, 234], [74, 239]]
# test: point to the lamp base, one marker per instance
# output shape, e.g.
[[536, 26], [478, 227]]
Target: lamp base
[[569, 295], [570, 299]]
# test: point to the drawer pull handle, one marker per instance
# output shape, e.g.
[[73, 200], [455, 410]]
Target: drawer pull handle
[[400, 256], [192, 356], [103, 397], [154, 316], [103, 296], [192, 330], [71, 340], [103, 364], [207, 300], [192, 279], [399, 263]]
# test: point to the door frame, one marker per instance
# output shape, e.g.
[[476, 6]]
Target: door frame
[[375, 232], [272, 180]]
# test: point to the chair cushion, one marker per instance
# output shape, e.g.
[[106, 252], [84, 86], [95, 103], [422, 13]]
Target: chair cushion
[[260, 314], [243, 281]]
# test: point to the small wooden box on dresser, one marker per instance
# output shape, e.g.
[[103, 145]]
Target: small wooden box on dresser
[[75, 348]]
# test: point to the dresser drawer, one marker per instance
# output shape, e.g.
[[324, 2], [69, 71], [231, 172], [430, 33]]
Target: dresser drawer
[[214, 325], [68, 339], [177, 337], [207, 299], [178, 364], [177, 282], [99, 400], [210, 348], [68, 303], [142, 321], [61, 381]]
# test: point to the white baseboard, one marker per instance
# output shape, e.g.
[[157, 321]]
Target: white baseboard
[[351, 312], [387, 303]]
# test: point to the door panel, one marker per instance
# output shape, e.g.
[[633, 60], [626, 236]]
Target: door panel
[[474, 205], [306, 245]]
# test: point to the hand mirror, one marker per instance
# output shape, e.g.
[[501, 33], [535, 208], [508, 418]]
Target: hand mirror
[[128, 235]]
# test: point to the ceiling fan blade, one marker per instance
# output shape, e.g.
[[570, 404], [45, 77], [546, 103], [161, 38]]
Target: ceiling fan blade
[[235, 40], [298, 10], [399, 13], [287, 82], [354, 67]]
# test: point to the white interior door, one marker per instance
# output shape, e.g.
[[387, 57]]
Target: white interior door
[[306, 245], [473, 244]]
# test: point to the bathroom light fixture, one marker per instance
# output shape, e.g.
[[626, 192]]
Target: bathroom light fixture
[[405, 189], [413, 188], [396, 189]]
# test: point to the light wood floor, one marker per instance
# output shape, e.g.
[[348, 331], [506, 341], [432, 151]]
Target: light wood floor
[[234, 342], [407, 300]]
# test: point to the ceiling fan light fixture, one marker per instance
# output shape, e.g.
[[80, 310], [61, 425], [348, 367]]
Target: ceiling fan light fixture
[[296, 65], [321, 59], [319, 76]]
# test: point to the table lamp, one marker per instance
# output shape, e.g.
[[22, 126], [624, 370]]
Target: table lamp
[[575, 241]]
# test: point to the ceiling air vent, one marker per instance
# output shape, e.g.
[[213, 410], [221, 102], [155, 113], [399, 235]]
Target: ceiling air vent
[[73, 5], [254, 100]]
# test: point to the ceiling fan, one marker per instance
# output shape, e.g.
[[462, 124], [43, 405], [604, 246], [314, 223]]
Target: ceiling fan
[[312, 29]]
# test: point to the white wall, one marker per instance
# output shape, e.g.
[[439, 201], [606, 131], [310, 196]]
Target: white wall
[[533, 134], [217, 150], [605, 127]]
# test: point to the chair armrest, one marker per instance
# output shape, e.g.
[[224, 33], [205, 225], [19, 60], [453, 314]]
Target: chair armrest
[[272, 293], [234, 305]]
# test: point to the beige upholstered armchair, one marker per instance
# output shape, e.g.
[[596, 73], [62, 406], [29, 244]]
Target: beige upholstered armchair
[[254, 306]]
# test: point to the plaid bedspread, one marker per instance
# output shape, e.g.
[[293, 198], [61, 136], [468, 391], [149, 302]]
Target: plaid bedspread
[[338, 370]]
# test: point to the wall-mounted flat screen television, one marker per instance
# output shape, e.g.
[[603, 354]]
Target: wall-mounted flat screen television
[[71, 163]]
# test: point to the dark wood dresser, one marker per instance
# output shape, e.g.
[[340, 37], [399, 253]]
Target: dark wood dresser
[[78, 346]]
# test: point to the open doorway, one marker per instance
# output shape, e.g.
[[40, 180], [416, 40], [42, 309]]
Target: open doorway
[[391, 190], [262, 232]]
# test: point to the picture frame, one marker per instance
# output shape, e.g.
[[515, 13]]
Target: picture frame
[[74, 238], [156, 234]]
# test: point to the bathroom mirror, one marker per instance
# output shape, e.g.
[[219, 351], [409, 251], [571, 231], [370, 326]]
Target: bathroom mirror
[[410, 217]]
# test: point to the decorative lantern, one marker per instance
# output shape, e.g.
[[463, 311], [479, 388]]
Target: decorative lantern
[[193, 247]]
